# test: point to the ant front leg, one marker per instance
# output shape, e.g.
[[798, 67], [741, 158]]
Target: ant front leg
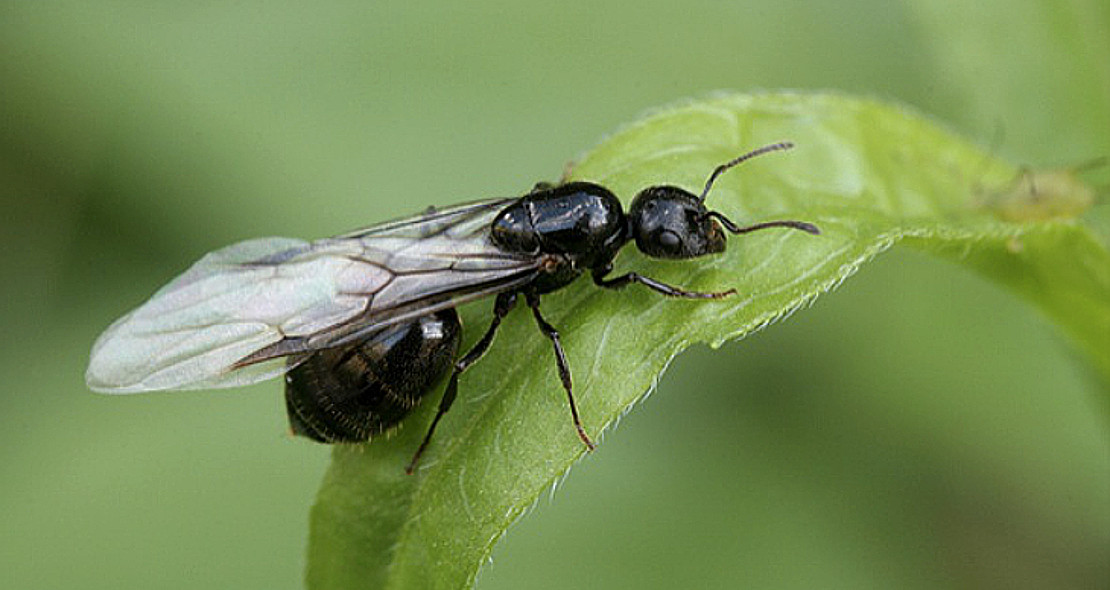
[[659, 287]]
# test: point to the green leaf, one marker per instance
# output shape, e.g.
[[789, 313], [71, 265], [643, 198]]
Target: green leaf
[[869, 174]]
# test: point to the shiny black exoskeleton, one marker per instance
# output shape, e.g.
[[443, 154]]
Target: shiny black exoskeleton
[[578, 225], [581, 226], [351, 394], [570, 229]]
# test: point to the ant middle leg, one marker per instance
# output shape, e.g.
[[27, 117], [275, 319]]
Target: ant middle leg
[[561, 361]]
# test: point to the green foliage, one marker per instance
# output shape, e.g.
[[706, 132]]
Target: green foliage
[[921, 429], [868, 173]]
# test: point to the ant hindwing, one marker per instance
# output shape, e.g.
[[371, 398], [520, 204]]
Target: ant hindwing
[[363, 324]]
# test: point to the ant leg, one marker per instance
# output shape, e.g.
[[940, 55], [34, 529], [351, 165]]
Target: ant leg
[[659, 287], [560, 360], [543, 185], [568, 169], [501, 308]]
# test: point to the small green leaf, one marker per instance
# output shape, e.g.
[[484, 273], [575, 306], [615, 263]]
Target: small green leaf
[[869, 174]]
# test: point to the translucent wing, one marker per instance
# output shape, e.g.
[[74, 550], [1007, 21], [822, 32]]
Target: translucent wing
[[238, 313]]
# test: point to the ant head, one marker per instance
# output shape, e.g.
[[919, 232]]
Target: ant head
[[670, 222]]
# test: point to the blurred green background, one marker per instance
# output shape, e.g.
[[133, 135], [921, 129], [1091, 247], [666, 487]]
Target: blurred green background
[[918, 428]]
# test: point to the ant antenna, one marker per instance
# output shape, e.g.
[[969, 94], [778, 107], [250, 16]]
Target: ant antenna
[[774, 147], [736, 229]]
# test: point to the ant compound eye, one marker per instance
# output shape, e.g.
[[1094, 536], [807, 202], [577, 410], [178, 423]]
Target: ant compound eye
[[661, 243], [669, 240]]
